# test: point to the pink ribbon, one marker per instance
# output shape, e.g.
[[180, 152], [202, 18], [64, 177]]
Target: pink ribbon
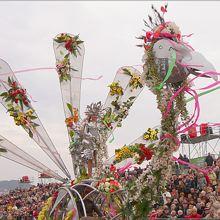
[[196, 110], [195, 95], [210, 86], [47, 68], [125, 167], [190, 165], [189, 35]]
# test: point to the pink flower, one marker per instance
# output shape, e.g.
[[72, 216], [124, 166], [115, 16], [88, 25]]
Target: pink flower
[[163, 9]]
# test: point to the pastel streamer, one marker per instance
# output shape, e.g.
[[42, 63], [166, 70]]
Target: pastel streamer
[[203, 93], [124, 168], [181, 89], [190, 165], [169, 72], [197, 108], [50, 68]]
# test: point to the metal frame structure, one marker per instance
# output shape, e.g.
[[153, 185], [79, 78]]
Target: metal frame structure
[[69, 192], [201, 145]]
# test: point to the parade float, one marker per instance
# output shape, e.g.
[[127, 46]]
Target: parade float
[[100, 187]]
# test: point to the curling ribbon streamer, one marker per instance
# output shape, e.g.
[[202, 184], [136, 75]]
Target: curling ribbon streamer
[[169, 72], [169, 105], [196, 109], [203, 93], [48, 68]]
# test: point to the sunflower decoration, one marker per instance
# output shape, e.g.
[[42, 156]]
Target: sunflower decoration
[[135, 81], [116, 89], [151, 134]]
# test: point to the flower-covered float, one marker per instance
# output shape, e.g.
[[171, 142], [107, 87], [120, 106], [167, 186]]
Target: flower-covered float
[[101, 187]]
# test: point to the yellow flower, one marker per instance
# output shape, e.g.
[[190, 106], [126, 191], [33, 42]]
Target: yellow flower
[[29, 112]]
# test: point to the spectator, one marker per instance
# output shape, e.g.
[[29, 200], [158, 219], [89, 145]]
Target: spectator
[[185, 158], [209, 160], [194, 214], [180, 214]]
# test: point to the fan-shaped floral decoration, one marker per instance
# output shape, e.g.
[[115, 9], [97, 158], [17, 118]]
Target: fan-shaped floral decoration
[[16, 98], [88, 136], [18, 104]]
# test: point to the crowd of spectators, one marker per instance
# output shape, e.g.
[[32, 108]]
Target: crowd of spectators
[[25, 204], [191, 194]]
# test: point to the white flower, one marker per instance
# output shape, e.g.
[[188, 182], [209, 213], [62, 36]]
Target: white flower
[[107, 184]]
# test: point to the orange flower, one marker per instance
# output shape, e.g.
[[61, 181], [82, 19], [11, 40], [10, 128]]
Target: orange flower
[[69, 121]]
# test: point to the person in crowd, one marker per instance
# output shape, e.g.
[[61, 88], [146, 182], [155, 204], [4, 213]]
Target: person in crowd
[[185, 158], [194, 214], [209, 160]]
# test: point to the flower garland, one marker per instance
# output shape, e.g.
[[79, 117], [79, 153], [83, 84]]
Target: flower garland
[[109, 181], [135, 81], [146, 190], [137, 151], [108, 185], [63, 69], [72, 120], [18, 106], [115, 89], [44, 213], [15, 94], [122, 109], [70, 214], [108, 118], [151, 134], [72, 44]]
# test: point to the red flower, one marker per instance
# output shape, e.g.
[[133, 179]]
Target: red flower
[[111, 190], [178, 36], [14, 84], [112, 168], [156, 35], [116, 175], [146, 153], [163, 9], [68, 45], [148, 34], [146, 47]]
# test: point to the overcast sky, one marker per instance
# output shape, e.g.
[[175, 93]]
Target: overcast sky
[[109, 30]]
